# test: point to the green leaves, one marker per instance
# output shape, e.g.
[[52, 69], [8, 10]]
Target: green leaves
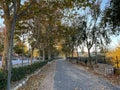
[[19, 48], [3, 80], [111, 15]]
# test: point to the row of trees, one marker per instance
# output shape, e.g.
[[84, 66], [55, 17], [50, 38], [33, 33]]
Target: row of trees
[[45, 24], [93, 27], [39, 20], [17, 46], [88, 29]]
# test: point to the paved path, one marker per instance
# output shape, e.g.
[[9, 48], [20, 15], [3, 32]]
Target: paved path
[[62, 75], [71, 77]]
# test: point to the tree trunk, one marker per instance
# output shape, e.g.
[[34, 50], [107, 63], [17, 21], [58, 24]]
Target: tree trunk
[[10, 54], [77, 55], [89, 57], [65, 55], [72, 53], [10, 27], [43, 54], [31, 58], [95, 54], [6, 45], [39, 53], [77, 52], [49, 54], [96, 61], [5, 53]]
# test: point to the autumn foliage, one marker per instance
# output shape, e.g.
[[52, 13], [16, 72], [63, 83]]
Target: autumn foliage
[[115, 56]]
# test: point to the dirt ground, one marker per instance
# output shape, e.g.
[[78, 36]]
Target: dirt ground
[[43, 80]]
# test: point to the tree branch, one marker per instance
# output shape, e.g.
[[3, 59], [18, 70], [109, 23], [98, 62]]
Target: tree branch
[[24, 11], [18, 5]]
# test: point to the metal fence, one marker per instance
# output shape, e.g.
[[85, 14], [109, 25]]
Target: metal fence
[[100, 59]]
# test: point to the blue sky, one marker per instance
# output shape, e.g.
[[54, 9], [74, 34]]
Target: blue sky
[[103, 4], [1, 22]]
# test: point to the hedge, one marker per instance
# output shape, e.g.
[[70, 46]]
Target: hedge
[[19, 73], [3, 80]]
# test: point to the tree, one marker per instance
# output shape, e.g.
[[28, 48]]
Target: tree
[[12, 11], [1, 40], [91, 30], [19, 48], [115, 56], [45, 23], [32, 50], [112, 14]]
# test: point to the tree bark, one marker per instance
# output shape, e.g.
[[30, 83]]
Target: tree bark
[[10, 55], [43, 54], [10, 48], [31, 58], [65, 55], [95, 54], [10, 22], [39, 53], [49, 54], [72, 53], [77, 52], [6, 45], [89, 57], [77, 55]]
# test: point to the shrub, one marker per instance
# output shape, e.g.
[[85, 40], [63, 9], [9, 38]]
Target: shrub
[[3, 80], [19, 73]]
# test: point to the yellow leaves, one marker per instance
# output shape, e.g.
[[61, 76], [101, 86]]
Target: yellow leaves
[[115, 55], [36, 53], [25, 48]]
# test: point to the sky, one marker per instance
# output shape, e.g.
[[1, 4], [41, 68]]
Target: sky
[[103, 4], [115, 39], [1, 22]]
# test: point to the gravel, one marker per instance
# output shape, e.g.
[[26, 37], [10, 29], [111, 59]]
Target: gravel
[[70, 77]]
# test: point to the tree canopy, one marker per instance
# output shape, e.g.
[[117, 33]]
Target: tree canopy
[[112, 14]]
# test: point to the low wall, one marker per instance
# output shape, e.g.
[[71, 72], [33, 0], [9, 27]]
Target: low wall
[[104, 69]]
